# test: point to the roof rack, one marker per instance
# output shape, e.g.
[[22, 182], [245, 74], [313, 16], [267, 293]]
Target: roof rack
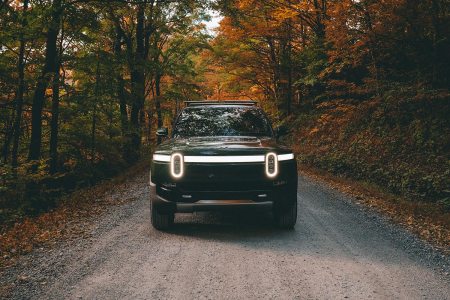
[[221, 102]]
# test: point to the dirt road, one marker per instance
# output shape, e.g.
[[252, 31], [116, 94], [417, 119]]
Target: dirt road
[[337, 250]]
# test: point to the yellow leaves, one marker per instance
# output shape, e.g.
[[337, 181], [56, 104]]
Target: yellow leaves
[[284, 13]]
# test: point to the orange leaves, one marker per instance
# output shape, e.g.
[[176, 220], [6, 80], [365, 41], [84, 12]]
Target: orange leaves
[[26, 234], [314, 131], [246, 4]]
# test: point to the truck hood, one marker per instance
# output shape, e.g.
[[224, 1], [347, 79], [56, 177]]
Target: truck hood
[[227, 145]]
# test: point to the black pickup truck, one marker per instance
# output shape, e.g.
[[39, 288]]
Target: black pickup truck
[[221, 155]]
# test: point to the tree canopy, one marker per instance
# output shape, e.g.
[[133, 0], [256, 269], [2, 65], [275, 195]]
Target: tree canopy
[[85, 83]]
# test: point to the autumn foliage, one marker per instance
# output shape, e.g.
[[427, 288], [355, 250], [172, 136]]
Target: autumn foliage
[[363, 84], [83, 85]]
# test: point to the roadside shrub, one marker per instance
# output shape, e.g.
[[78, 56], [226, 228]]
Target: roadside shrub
[[25, 194]]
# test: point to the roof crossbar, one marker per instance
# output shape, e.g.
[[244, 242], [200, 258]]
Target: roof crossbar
[[221, 102]]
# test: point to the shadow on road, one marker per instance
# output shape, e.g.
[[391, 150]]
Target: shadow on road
[[229, 226]]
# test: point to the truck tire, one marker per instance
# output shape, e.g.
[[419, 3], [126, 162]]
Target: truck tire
[[161, 221], [286, 217]]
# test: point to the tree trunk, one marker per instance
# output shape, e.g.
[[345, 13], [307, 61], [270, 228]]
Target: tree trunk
[[120, 82], [440, 47], [158, 104], [120, 90], [8, 137], [320, 9], [275, 64], [137, 88], [149, 126], [43, 81], [372, 47], [20, 88], [286, 67], [94, 109], [54, 123]]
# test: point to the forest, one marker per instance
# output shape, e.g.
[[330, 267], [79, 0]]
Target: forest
[[363, 85]]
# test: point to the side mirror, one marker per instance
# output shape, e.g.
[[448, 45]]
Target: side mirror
[[281, 130], [162, 132]]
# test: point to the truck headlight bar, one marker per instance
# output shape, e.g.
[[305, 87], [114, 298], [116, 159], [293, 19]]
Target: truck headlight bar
[[222, 159], [271, 161]]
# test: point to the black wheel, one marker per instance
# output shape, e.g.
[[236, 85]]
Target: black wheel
[[286, 217], [161, 220]]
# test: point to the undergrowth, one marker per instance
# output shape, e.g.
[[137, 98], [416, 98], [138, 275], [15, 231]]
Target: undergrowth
[[400, 141], [25, 194]]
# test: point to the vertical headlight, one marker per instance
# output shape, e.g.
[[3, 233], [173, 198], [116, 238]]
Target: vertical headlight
[[271, 165], [176, 165]]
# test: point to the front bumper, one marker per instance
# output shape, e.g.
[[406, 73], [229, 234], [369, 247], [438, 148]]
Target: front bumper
[[211, 201], [211, 205], [263, 203]]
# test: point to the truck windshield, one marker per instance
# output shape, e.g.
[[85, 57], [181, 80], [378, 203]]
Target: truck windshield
[[222, 121]]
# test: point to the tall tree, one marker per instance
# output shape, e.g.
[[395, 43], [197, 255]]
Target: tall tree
[[48, 70], [20, 86]]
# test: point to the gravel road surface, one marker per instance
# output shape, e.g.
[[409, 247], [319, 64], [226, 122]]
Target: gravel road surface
[[338, 250]]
